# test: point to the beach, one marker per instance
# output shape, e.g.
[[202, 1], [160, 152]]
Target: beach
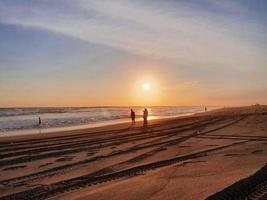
[[188, 157]]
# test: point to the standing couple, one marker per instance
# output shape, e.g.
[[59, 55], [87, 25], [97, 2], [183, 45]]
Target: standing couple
[[145, 115]]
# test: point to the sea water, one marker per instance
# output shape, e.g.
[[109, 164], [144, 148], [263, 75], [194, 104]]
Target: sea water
[[25, 120]]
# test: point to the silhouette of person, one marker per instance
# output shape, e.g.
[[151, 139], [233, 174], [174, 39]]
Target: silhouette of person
[[145, 115], [133, 116], [40, 121], [205, 109]]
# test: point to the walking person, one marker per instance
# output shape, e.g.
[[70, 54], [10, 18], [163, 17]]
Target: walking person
[[133, 116], [145, 115]]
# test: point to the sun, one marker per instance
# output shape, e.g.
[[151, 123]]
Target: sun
[[146, 91], [146, 86]]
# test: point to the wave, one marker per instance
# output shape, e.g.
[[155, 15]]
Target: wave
[[27, 118]]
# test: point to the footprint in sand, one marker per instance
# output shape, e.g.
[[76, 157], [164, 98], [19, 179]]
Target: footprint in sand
[[190, 162], [211, 145], [64, 159], [90, 153], [257, 152], [14, 167], [161, 149], [235, 154], [44, 165]]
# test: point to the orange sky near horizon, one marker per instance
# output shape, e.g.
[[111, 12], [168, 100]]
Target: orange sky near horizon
[[160, 93]]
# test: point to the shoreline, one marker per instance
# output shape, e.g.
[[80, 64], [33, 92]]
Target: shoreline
[[105, 128], [86, 127]]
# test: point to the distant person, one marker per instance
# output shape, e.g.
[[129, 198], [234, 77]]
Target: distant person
[[145, 115], [205, 109], [40, 121], [133, 116]]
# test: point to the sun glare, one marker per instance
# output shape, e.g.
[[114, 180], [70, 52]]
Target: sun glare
[[146, 86], [146, 91]]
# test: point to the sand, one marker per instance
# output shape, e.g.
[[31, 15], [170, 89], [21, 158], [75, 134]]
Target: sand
[[189, 157]]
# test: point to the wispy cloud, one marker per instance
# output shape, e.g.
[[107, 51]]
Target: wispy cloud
[[185, 33]]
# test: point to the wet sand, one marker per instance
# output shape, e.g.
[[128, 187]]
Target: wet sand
[[191, 157]]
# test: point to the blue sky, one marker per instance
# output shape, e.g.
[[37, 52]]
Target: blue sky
[[91, 52]]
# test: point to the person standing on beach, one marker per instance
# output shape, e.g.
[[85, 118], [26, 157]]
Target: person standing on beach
[[145, 115], [40, 121], [133, 116]]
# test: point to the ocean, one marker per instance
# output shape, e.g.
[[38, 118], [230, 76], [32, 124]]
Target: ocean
[[25, 120]]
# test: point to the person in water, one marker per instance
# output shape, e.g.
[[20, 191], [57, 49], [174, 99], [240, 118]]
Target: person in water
[[133, 116], [145, 115]]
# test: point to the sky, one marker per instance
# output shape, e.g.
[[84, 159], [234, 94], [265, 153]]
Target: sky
[[102, 53]]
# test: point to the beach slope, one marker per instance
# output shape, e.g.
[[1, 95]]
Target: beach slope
[[192, 157]]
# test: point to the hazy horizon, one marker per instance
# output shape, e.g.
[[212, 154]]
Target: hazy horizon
[[106, 106], [91, 53]]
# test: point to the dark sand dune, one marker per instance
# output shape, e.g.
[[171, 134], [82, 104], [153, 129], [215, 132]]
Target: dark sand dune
[[253, 187]]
